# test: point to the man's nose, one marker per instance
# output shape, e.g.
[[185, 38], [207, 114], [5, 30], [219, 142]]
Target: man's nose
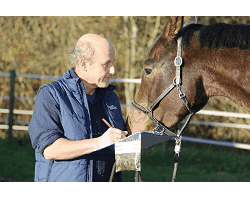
[[112, 70]]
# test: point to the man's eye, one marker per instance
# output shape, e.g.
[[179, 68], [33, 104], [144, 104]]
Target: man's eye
[[105, 66], [147, 71]]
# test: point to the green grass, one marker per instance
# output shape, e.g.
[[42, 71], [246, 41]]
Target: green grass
[[198, 163], [17, 161]]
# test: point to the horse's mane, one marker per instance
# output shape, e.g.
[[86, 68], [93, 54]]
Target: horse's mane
[[219, 35]]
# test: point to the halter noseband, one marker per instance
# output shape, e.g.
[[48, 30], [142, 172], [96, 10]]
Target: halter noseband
[[177, 82]]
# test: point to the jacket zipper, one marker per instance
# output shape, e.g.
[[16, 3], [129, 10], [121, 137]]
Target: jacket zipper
[[50, 167]]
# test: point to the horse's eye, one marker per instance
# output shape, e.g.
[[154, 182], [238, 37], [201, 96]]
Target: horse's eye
[[147, 71]]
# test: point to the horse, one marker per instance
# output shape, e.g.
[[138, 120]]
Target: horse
[[186, 66]]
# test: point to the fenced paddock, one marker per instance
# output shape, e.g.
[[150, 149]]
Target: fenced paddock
[[23, 125]]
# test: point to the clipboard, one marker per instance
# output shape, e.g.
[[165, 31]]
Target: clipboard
[[127, 151]]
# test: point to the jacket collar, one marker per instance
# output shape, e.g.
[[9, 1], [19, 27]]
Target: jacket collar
[[72, 79], [76, 85]]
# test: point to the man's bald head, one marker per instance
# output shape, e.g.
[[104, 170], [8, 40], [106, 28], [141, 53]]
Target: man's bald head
[[86, 47], [91, 38]]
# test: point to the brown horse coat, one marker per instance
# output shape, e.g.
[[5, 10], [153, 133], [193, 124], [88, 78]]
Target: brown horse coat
[[216, 63]]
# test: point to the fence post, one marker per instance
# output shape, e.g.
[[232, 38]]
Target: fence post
[[11, 103]]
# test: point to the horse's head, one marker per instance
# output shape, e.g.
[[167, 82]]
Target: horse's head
[[158, 74]]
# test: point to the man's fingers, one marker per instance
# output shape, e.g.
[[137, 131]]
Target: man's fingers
[[117, 133]]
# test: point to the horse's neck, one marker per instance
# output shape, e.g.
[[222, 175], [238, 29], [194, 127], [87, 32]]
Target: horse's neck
[[228, 74]]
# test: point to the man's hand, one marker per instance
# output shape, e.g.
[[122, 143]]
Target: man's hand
[[111, 136]]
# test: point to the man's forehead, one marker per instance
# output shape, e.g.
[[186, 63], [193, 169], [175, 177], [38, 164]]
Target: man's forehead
[[105, 57], [106, 50]]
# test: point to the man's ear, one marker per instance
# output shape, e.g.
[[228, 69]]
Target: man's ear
[[82, 64]]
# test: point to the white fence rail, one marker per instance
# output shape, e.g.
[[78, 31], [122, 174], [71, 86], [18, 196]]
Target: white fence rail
[[224, 114], [207, 112], [202, 123], [15, 127], [202, 112], [21, 112], [221, 143]]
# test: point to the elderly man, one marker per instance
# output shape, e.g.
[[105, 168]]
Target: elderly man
[[67, 120]]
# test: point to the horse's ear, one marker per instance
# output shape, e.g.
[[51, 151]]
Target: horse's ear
[[172, 28]]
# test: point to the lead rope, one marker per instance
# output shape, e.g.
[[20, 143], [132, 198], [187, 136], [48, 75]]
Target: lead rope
[[138, 176], [177, 150], [112, 174]]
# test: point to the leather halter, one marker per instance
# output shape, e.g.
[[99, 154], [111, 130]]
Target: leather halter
[[177, 82]]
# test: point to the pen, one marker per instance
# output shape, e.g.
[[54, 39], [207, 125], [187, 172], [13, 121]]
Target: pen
[[107, 123]]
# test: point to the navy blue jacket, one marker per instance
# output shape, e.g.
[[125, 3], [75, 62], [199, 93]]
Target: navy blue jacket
[[62, 110]]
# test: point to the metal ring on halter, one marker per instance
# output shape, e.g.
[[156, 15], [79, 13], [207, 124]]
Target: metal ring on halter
[[182, 94], [178, 61], [174, 81], [159, 129], [177, 84]]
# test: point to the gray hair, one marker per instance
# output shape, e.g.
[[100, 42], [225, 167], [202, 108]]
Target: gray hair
[[84, 51]]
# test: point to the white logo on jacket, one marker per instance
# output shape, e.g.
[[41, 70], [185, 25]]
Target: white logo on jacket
[[111, 110]]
